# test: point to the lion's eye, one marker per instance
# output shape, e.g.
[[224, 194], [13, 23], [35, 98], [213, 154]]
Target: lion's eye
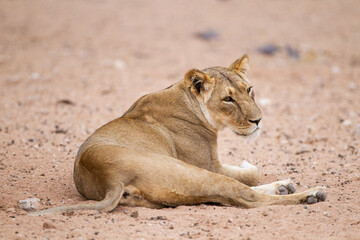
[[228, 99], [249, 90]]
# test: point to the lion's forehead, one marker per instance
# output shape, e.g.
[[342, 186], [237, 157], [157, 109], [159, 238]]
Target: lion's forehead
[[228, 78]]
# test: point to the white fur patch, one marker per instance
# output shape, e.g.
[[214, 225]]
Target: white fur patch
[[207, 115], [246, 164], [253, 136], [271, 188], [236, 168]]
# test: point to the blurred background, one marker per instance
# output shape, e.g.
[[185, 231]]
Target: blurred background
[[67, 67]]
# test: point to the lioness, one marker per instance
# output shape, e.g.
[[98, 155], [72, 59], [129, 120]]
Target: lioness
[[163, 150]]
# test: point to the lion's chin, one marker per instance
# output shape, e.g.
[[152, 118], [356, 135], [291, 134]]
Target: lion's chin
[[249, 136]]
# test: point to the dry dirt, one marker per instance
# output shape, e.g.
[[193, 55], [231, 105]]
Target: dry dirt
[[68, 67]]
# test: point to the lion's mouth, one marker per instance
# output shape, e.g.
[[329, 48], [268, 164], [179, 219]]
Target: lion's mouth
[[248, 132]]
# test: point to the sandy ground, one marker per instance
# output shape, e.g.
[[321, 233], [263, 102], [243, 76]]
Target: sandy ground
[[68, 67]]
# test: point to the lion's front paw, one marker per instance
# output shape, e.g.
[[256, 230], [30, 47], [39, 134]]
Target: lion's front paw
[[320, 196], [314, 195]]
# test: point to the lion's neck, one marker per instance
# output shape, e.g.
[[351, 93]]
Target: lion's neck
[[197, 110]]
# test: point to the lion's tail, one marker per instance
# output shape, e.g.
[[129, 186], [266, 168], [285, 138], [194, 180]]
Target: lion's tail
[[108, 204]]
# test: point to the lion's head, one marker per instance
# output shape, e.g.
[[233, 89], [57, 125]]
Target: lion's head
[[226, 96]]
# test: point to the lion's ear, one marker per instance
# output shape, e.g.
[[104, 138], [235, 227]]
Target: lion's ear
[[241, 65], [200, 84]]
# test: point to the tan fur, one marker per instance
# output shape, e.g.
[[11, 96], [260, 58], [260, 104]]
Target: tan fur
[[163, 150]]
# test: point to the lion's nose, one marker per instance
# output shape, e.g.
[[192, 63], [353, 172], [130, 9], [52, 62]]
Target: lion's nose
[[255, 121]]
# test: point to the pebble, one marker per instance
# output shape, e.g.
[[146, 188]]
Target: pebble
[[29, 204], [202, 206], [66, 102], [158, 218], [47, 225], [268, 49], [301, 151], [327, 214], [134, 214], [292, 52], [346, 123], [207, 35]]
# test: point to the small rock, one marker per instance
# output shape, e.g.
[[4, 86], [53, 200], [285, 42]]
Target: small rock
[[68, 214], [268, 49], [301, 152], [29, 204], [134, 214], [66, 102], [158, 218], [207, 35], [327, 214], [48, 201], [346, 123], [202, 206], [11, 143], [59, 130], [47, 225], [292, 52]]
